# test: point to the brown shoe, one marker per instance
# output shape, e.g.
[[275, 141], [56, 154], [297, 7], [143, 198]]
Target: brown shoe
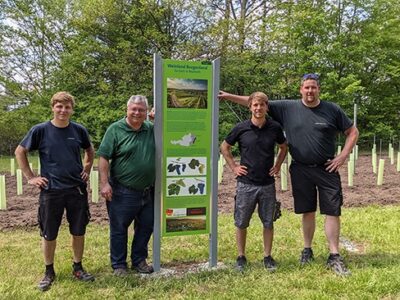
[[143, 268]]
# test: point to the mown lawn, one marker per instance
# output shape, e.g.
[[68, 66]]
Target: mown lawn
[[376, 268]]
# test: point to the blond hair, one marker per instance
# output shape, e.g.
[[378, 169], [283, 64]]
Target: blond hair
[[62, 97], [257, 96]]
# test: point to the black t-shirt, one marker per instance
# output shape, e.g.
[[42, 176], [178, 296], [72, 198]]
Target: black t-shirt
[[311, 132], [256, 147], [59, 152]]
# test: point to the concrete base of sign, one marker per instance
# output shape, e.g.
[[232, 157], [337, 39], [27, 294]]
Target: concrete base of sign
[[184, 269], [349, 245]]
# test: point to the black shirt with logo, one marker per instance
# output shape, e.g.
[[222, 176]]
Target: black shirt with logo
[[311, 132], [59, 152], [256, 147]]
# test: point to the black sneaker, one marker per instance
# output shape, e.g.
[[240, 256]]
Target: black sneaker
[[269, 263], [336, 264], [307, 256], [46, 282], [143, 268], [82, 275], [241, 263]]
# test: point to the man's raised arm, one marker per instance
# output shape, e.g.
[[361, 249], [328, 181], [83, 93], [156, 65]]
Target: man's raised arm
[[242, 100]]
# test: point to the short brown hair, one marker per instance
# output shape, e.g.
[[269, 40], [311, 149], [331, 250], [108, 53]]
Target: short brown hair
[[62, 97], [259, 96]]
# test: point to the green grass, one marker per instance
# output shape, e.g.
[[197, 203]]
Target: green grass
[[376, 270]]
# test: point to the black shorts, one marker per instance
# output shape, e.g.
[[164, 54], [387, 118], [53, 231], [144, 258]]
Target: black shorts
[[307, 180], [51, 209]]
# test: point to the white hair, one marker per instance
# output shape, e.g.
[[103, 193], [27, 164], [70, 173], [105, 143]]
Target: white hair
[[137, 99]]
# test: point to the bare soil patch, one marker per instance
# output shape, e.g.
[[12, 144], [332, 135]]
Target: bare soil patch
[[22, 210]]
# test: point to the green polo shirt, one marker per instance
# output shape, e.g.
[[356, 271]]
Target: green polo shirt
[[132, 154]]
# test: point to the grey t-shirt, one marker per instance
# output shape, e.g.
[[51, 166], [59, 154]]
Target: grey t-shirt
[[59, 152], [311, 132]]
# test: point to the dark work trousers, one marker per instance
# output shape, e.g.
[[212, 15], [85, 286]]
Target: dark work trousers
[[127, 206]]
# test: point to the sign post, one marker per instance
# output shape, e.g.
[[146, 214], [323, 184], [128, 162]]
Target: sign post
[[186, 131]]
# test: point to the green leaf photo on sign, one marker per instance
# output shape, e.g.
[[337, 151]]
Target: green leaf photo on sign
[[193, 189], [173, 189], [194, 163], [181, 183]]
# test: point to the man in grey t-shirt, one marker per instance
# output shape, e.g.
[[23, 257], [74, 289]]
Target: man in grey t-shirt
[[311, 126]]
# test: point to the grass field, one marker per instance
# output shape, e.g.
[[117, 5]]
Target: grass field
[[376, 268]]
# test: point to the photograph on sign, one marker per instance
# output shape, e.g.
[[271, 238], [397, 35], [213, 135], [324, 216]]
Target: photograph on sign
[[186, 93], [186, 186], [186, 224], [186, 166]]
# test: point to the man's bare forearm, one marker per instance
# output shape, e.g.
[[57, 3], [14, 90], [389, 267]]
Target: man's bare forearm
[[104, 166], [351, 140], [283, 148], [22, 159], [242, 100], [88, 159], [227, 154]]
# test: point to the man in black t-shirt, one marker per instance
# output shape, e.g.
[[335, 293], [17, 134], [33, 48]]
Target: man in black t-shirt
[[257, 138], [311, 126], [62, 181]]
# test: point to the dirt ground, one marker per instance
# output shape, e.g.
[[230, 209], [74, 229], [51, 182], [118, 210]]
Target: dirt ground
[[22, 210]]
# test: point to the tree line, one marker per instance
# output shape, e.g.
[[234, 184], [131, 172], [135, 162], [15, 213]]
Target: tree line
[[101, 52]]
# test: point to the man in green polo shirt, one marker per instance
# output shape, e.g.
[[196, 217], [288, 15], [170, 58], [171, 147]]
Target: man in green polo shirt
[[127, 174]]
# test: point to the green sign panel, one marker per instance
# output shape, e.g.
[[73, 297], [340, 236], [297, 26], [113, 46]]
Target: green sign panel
[[187, 135]]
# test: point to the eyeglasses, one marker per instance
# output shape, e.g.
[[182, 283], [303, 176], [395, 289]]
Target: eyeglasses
[[139, 110], [312, 76]]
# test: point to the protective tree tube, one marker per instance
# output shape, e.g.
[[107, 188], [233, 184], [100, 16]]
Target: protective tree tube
[[19, 182], [380, 171]]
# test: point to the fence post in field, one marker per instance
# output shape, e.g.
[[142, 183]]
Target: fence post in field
[[374, 162], [350, 172], [339, 149], [220, 169], [38, 166], [356, 151], [3, 200], [380, 171], [95, 186], [398, 161], [12, 166], [353, 162], [91, 178], [284, 177], [19, 182]]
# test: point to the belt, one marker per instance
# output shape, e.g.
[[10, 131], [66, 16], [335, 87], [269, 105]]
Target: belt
[[145, 190]]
